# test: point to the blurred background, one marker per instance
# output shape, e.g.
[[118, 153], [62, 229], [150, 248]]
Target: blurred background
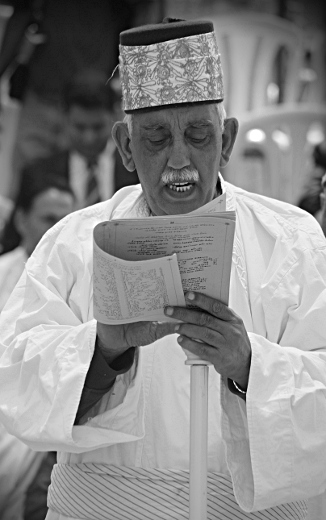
[[274, 62]]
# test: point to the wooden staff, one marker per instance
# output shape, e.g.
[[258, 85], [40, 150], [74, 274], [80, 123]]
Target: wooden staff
[[198, 437]]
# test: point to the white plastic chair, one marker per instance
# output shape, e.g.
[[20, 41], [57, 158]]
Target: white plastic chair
[[249, 44], [313, 75], [273, 150]]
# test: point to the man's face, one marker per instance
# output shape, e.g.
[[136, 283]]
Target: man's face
[[88, 130], [177, 154], [47, 209]]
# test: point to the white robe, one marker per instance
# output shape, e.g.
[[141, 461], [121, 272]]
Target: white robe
[[18, 463], [274, 445], [11, 267]]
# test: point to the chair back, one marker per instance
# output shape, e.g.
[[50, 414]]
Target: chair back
[[249, 44], [273, 150], [313, 74]]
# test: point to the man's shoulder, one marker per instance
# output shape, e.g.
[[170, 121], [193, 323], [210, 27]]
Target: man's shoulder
[[83, 221], [267, 204], [279, 218]]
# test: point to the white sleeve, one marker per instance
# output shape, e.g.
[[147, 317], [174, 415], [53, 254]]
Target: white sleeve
[[47, 340], [278, 454]]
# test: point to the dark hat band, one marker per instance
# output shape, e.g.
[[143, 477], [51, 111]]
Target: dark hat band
[[161, 32]]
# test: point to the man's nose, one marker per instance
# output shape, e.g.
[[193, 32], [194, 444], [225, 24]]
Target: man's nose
[[179, 156]]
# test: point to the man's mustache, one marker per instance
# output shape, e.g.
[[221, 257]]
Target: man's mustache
[[187, 174]]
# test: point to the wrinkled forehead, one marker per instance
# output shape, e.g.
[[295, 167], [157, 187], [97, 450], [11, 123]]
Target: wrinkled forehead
[[181, 116]]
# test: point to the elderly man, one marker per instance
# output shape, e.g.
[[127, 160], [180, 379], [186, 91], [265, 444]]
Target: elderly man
[[113, 400]]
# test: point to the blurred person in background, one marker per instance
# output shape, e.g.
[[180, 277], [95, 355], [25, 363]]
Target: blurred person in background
[[41, 202], [18, 467], [72, 35], [310, 199], [91, 162]]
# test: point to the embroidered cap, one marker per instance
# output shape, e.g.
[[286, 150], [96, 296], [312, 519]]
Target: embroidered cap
[[169, 63]]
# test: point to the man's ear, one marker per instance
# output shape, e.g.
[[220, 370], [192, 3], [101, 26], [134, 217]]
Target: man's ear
[[121, 138], [231, 126]]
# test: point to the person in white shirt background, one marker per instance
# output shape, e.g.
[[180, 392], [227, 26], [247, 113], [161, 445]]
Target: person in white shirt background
[[41, 202], [113, 400], [91, 162]]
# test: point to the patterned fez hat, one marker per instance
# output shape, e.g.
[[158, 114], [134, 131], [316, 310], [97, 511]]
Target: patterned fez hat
[[168, 64]]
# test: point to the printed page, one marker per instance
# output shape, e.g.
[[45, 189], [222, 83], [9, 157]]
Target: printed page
[[202, 249], [143, 264], [127, 291], [203, 245]]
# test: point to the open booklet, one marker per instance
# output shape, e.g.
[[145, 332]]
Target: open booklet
[[142, 265]]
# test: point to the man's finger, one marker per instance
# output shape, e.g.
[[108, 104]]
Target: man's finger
[[211, 305], [143, 333]]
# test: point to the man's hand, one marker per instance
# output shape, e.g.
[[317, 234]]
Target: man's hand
[[113, 340], [216, 334]]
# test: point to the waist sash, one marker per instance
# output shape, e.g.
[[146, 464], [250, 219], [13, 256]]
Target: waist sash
[[107, 492]]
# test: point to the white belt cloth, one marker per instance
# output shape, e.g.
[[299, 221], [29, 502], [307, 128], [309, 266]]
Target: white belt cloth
[[102, 491]]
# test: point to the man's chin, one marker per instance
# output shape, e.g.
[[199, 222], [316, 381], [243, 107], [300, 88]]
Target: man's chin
[[176, 208], [181, 202]]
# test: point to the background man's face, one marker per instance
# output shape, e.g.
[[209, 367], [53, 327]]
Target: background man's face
[[88, 130], [174, 141], [47, 209]]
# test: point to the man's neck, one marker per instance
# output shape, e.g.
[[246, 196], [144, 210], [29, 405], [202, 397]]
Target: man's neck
[[218, 188]]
